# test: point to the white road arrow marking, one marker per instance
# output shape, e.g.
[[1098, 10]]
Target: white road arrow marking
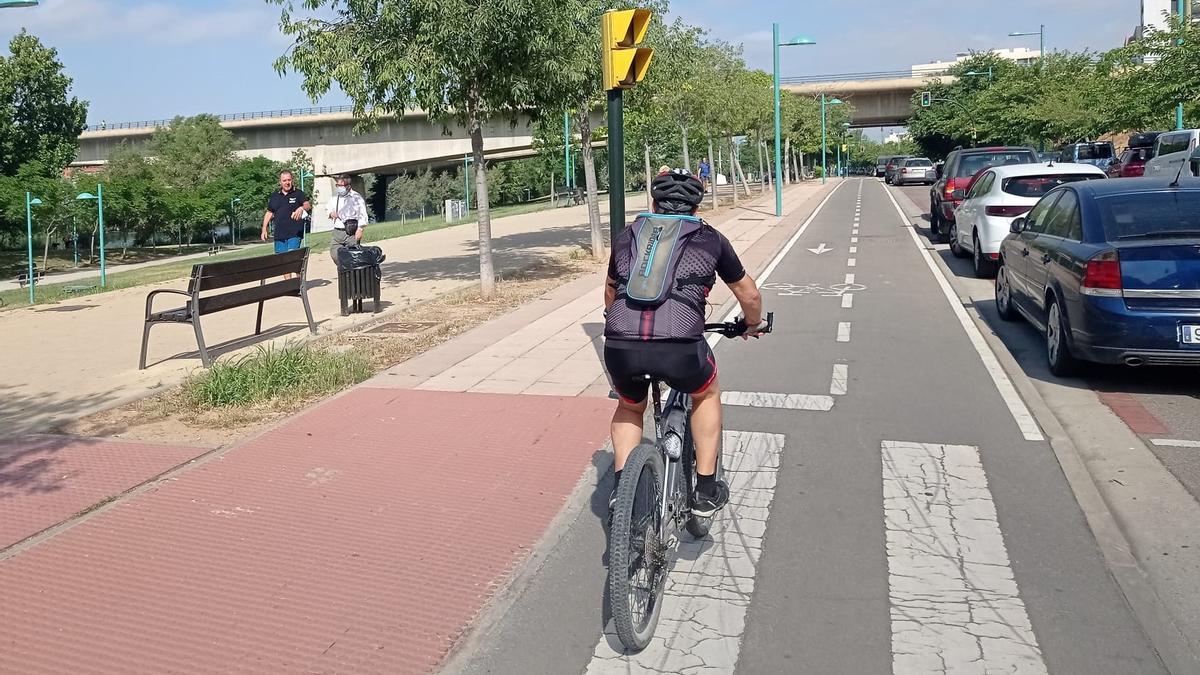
[[821, 249]]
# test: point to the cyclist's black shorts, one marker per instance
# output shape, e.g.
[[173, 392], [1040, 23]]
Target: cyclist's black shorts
[[686, 366]]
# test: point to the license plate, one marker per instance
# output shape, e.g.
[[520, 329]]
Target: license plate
[[1189, 334]]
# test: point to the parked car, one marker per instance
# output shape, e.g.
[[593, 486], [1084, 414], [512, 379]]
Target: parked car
[[1047, 156], [999, 196], [1171, 149], [1131, 163], [915, 170], [893, 166], [1096, 153], [961, 165], [881, 165], [1109, 271]]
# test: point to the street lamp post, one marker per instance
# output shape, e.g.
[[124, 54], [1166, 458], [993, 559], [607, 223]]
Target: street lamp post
[[794, 42], [1181, 7], [99, 197], [1041, 33], [304, 173], [824, 145], [30, 202]]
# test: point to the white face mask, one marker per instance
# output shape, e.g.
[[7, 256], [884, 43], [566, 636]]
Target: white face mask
[[341, 190]]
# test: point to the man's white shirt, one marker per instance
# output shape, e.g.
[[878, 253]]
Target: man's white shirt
[[350, 206]]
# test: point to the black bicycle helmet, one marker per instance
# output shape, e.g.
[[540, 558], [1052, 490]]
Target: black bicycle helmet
[[677, 191]]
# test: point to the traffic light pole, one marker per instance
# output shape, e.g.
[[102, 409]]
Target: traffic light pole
[[616, 163]]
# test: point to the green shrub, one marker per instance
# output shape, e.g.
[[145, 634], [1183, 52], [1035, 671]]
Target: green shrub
[[293, 371]]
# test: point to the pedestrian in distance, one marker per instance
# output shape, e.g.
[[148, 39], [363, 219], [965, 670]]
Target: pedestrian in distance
[[287, 208], [348, 211], [704, 172]]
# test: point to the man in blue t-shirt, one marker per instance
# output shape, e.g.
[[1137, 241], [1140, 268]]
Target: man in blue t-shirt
[[286, 208], [704, 172]]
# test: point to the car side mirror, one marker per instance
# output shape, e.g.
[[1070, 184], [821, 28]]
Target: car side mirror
[[1017, 226], [958, 195]]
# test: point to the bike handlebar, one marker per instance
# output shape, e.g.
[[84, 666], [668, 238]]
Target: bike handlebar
[[732, 329]]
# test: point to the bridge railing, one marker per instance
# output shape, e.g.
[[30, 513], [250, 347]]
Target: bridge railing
[[850, 77], [229, 117]]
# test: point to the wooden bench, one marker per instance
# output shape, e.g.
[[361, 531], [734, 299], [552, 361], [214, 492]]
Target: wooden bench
[[220, 275], [23, 277]]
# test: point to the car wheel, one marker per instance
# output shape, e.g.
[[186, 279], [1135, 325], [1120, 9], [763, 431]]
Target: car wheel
[[1004, 299], [984, 267], [955, 248], [1058, 352]]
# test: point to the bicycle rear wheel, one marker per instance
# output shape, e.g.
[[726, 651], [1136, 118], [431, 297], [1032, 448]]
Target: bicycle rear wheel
[[637, 562]]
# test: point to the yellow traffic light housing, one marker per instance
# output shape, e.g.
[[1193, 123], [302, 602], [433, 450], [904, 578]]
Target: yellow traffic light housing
[[624, 63]]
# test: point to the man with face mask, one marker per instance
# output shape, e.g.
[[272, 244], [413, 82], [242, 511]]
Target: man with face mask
[[348, 211]]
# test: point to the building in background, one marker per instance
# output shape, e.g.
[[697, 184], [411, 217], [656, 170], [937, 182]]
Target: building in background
[[896, 137], [1154, 17], [1021, 55]]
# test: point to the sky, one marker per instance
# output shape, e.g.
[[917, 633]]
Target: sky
[[154, 59]]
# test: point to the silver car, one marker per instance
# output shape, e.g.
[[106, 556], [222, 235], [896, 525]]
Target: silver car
[[915, 170]]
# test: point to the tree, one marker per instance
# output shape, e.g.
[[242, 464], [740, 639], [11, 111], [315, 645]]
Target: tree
[[39, 120], [192, 151], [461, 60]]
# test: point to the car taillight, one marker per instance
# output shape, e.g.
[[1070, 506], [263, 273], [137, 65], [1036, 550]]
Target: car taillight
[[1103, 275], [905, 170], [1007, 211], [949, 189]]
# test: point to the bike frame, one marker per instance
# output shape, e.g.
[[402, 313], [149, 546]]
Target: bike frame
[[674, 506]]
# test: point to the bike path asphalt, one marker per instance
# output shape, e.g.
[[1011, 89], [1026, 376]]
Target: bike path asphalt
[[919, 524], [364, 535]]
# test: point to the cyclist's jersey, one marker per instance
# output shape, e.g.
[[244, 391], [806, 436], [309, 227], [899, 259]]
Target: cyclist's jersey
[[706, 254]]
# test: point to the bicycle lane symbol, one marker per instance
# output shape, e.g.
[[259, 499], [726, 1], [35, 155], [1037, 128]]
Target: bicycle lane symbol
[[831, 291]]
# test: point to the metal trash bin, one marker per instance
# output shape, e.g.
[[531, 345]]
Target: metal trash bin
[[359, 277]]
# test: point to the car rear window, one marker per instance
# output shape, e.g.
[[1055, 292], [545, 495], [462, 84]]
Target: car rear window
[[1036, 186], [1150, 214], [1095, 152], [918, 162], [972, 163]]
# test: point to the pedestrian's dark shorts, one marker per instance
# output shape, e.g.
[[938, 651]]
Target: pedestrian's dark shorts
[[686, 366]]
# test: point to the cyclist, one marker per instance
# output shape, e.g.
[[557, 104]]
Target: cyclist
[[663, 336]]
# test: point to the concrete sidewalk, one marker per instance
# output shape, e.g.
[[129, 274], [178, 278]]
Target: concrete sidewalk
[[365, 534], [72, 358]]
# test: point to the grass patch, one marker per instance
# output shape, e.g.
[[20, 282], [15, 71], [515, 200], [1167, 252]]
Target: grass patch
[[294, 371]]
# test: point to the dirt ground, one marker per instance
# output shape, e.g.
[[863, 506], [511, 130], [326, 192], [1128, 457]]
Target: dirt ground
[[170, 418]]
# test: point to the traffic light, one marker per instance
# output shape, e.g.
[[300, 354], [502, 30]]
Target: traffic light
[[624, 63], [926, 99]]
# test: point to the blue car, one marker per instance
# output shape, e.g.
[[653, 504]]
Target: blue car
[[1109, 270]]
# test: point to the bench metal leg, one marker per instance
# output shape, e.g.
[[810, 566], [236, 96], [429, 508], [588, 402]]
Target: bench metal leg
[[145, 343], [312, 327], [200, 343], [258, 322]]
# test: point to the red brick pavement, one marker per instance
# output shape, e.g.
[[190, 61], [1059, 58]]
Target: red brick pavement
[[46, 479], [362, 536]]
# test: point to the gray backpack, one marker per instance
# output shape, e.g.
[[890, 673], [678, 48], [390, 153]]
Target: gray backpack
[[657, 243]]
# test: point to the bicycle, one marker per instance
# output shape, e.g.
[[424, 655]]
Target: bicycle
[[647, 519]]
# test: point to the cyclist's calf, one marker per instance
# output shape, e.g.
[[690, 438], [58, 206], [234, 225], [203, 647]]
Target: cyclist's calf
[[706, 427]]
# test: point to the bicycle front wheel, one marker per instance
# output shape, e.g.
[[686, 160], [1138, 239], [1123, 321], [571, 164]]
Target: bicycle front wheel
[[637, 562]]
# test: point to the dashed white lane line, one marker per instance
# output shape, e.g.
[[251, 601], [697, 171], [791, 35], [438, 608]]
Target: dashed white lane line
[[850, 278], [758, 399], [854, 249], [847, 301], [841, 379], [1016, 406], [851, 262], [955, 606], [1174, 443], [843, 334], [853, 240], [711, 581]]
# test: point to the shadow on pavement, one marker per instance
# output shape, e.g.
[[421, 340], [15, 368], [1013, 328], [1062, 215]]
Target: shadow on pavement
[[228, 346], [511, 251]]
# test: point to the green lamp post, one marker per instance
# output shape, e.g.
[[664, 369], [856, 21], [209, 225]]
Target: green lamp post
[[824, 148], [776, 44], [99, 197], [30, 202]]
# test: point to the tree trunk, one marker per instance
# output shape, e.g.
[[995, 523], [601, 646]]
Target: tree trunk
[[487, 273], [649, 176], [737, 169], [46, 251], [589, 178], [798, 166], [732, 175], [712, 163], [787, 167], [801, 158], [553, 198], [762, 186], [687, 157]]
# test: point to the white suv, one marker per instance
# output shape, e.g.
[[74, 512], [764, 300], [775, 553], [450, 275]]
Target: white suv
[[1171, 149]]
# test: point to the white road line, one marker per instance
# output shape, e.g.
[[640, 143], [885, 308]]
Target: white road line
[[955, 606], [847, 300], [853, 240], [1016, 406], [851, 262], [711, 581], [841, 379], [843, 334], [1174, 443], [854, 249], [854, 231], [758, 399], [850, 278]]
